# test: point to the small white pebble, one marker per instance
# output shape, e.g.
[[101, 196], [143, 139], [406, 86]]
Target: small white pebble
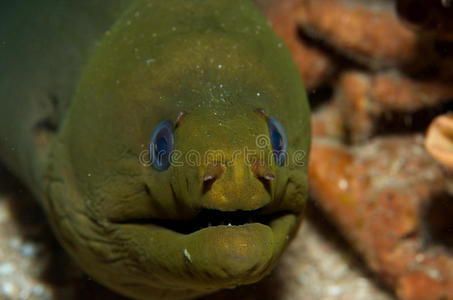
[[89, 174], [38, 290], [29, 250], [187, 255], [334, 290], [8, 289], [258, 94], [343, 184], [419, 258], [434, 274], [219, 66], [7, 269]]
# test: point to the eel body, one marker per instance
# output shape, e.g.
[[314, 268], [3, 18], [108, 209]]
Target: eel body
[[93, 90]]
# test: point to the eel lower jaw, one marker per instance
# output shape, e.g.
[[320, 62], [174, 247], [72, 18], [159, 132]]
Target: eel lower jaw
[[211, 257]]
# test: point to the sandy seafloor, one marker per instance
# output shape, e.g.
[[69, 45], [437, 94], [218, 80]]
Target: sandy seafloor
[[318, 264]]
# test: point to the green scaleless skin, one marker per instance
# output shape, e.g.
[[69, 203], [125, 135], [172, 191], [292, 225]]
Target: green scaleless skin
[[217, 61]]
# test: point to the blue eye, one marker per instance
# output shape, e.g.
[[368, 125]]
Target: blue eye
[[279, 140], [161, 145]]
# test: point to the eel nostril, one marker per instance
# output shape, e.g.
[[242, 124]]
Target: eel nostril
[[269, 176], [212, 173], [208, 180], [208, 177], [263, 173], [260, 170]]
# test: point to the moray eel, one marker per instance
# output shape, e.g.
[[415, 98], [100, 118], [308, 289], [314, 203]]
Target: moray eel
[[167, 141]]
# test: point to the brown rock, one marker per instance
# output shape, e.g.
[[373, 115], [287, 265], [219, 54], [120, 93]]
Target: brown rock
[[418, 285], [374, 37], [368, 100], [327, 122], [378, 194], [314, 66], [396, 92]]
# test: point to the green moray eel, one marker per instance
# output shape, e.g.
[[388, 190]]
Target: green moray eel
[[167, 141]]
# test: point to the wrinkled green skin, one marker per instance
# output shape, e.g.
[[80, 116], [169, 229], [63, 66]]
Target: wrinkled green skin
[[218, 61]]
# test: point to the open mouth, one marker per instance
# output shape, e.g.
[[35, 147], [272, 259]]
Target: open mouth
[[210, 218]]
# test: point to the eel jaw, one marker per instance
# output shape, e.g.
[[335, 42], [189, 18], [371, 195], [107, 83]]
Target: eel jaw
[[213, 250], [213, 257]]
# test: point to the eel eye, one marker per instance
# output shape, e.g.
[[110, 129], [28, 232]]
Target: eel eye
[[161, 145], [279, 140]]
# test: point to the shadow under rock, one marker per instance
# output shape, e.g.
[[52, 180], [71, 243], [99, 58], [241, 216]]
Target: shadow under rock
[[437, 223]]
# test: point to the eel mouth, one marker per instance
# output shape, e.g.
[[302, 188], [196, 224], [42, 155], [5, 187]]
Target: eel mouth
[[207, 218]]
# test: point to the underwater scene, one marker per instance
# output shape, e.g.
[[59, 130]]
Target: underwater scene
[[226, 149]]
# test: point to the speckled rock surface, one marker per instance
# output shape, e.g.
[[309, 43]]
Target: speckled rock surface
[[26, 245]]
